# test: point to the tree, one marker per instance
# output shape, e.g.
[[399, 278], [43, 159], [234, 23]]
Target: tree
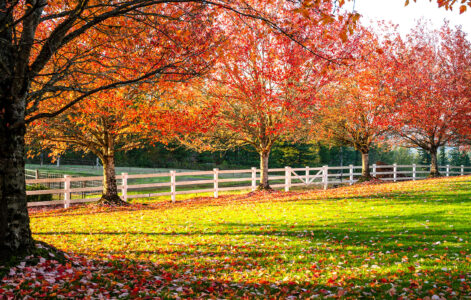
[[75, 49], [356, 109], [261, 89], [432, 89], [110, 121]]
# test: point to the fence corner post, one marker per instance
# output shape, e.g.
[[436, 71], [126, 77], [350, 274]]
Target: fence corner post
[[325, 176], [287, 178], [173, 184], [395, 172], [447, 170], [462, 170], [414, 172], [36, 174], [124, 189], [254, 179], [66, 191], [216, 182], [374, 170], [351, 174]]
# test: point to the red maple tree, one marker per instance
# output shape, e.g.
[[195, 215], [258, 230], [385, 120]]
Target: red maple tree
[[357, 108], [432, 88]]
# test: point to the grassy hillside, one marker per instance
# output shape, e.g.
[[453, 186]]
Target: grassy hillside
[[406, 239]]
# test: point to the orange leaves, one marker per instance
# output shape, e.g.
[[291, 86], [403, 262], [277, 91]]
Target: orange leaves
[[356, 108]]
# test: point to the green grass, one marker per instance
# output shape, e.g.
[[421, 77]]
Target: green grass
[[406, 239]]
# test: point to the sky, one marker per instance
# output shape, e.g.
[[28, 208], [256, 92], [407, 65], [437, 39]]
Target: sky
[[406, 16]]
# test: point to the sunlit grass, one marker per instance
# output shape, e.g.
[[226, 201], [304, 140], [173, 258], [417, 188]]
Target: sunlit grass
[[408, 239]]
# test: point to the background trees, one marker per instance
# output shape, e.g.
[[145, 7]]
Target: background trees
[[356, 108], [264, 85], [431, 89]]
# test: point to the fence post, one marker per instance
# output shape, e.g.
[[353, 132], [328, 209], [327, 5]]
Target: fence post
[[36, 174], [173, 185], [254, 179], [395, 172], [287, 178], [414, 171], [66, 191], [351, 174], [124, 182], [462, 170], [216, 182], [83, 185], [374, 170], [325, 176], [307, 175], [447, 170]]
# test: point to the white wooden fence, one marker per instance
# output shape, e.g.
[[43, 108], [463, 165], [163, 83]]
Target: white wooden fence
[[218, 180]]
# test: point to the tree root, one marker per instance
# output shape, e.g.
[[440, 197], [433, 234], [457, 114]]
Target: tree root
[[111, 200], [262, 187]]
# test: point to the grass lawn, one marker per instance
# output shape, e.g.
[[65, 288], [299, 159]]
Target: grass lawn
[[408, 240]]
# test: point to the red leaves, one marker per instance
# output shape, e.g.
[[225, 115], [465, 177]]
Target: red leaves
[[433, 94], [357, 107]]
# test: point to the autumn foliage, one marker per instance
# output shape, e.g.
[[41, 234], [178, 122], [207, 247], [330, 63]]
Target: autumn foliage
[[356, 108], [264, 85], [433, 89]]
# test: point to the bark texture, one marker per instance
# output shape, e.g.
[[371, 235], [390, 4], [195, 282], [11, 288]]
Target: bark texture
[[15, 234], [434, 162], [110, 188], [264, 185], [365, 166]]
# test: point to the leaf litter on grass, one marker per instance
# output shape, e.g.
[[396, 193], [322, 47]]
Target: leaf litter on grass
[[405, 240]]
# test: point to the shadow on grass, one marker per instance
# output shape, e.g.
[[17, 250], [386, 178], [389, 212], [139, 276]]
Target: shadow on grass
[[388, 255]]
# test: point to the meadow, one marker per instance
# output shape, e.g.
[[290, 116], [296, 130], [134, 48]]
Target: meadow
[[393, 240]]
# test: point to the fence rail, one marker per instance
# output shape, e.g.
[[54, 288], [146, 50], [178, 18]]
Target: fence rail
[[65, 187]]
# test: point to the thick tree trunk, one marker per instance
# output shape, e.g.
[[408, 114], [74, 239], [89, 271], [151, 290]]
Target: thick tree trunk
[[15, 233], [110, 189], [365, 166], [264, 155], [434, 163]]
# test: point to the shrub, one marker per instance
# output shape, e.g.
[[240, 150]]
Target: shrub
[[37, 198]]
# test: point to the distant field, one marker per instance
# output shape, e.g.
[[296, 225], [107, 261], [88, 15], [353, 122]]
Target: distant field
[[94, 171], [409, 240]]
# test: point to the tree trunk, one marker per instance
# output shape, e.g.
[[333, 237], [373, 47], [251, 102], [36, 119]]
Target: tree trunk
[[15, 233], [110, 189], [365, 166], [264, 155], [434, 163]]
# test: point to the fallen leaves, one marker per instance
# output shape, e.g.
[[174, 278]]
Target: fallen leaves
[[333, 243]]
